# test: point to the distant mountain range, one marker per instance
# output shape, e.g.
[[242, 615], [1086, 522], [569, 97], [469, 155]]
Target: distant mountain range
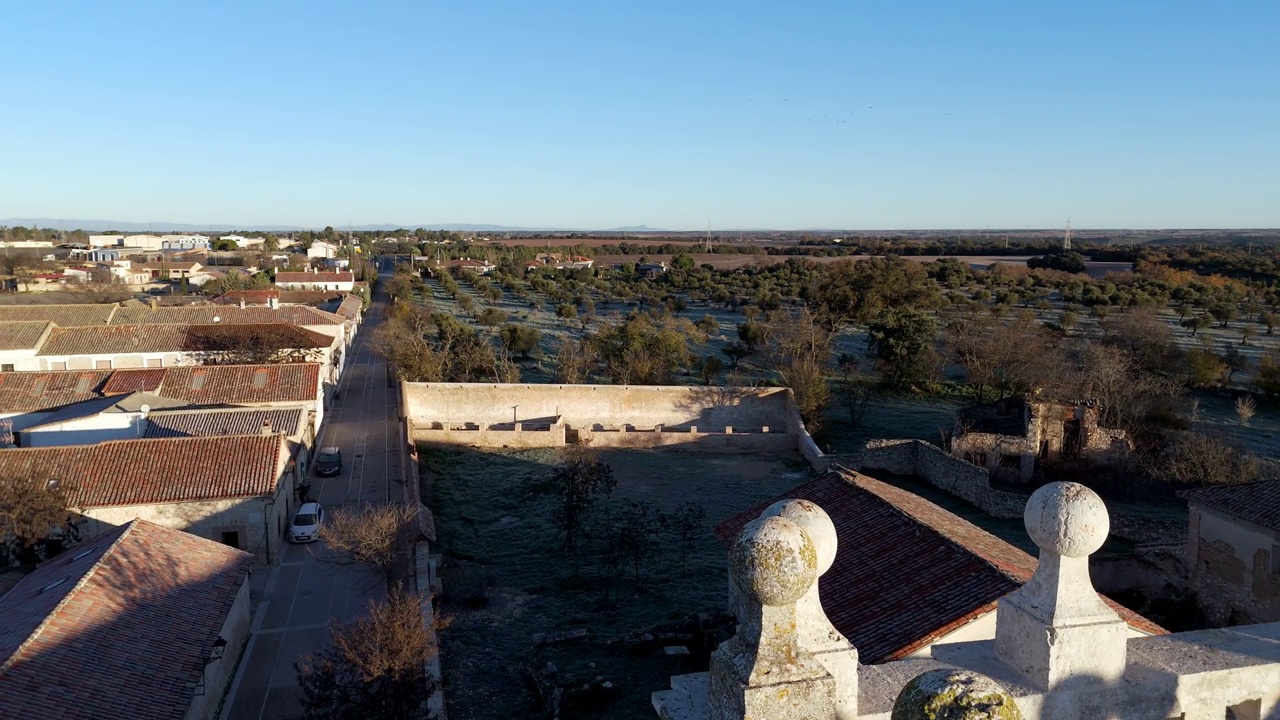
[[158, 227]]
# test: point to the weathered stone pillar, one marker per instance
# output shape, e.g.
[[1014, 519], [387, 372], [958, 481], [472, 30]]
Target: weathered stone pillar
[[1056, 627], [816, 633], [762, 671]]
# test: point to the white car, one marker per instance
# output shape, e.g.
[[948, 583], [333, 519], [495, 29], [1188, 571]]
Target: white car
[[306, 524]]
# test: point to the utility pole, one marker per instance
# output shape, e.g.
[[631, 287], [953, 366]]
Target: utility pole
[[1066, 239], [708, 236]]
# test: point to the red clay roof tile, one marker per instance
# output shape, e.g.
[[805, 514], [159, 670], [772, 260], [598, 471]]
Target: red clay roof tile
[[907, 572], [126, 632]]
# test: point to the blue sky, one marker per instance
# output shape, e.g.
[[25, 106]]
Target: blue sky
[[786, 115]]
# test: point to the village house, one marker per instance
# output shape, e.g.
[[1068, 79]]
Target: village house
[[1009, 436], [239, 490], [322, 249], [1233, 550], [962, 569], [153, 346], [20, 341], [479, 267], [140, 622], [28, 399], [331, 280]]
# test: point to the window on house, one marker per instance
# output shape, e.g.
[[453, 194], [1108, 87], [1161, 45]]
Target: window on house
[[231, 538]]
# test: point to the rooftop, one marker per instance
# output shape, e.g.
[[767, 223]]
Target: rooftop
[[145, 472], [235, 384], [315, 277], [24, 335], [897, 548], [1257, 502], [221, 314], [204, 423], [113, 339], [61, 315], [120, 626], [39, 391]]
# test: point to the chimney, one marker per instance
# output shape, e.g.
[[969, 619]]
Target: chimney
[[273, 302], [241, 302], [155, 303], [266, 427]]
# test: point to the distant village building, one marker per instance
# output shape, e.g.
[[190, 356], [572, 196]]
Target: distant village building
[[1233, 550], [479, 267], [322, 249], [184, 242], [140, 622], [1009, 436], [334, 280]]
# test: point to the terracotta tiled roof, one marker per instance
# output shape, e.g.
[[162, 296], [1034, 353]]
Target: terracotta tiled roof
[[232, 315], [16, 335], [1257, 502], [314, 277], [251, 297], [307, 297], [350, 308], [147, 472], [61, 315], [114, 339], [186, 423], [907, 572], [120, 626], [238, 384], [37, 391], [133, 380]]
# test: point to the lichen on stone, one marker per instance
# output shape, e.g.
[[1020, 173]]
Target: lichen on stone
[[954, 695]]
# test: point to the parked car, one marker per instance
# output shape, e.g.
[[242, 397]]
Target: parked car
[[305, 526], [329, 461]]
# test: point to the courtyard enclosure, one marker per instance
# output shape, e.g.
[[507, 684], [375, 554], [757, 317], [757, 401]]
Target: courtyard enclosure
[[529, 416]]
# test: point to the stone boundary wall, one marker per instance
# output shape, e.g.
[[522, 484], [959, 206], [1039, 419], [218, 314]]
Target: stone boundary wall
[[531, 416], [933, 465]]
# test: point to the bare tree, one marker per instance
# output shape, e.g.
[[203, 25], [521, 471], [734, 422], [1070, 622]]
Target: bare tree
[[1193, 458], [33, 510], [1246, 408], [574, 484], [368, 534], [799, 351], [685, 525], [375, 667]]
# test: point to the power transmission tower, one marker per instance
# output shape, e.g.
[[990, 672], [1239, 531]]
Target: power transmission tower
[[1066, 239]]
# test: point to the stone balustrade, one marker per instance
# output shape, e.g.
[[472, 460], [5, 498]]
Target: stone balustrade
[[1059, 652]]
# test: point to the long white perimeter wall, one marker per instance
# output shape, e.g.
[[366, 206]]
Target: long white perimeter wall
[[643, 407]]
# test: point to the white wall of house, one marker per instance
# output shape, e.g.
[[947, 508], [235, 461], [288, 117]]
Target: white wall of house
[[312, 285], [24, 359], [258, 523], [85, 431], [218, 674], [111, 361]]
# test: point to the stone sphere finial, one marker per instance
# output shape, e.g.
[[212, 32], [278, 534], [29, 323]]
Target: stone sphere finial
[[774, 561], [813, 520], [954, 695], [1068, 519]]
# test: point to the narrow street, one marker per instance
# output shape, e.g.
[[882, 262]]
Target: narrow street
[[295, 601]]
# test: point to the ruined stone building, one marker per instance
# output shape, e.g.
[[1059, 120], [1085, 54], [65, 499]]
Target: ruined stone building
[[1233, 550], [1009, 436]]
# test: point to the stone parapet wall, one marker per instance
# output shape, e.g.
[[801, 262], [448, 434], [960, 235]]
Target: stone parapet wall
[[932, 464]]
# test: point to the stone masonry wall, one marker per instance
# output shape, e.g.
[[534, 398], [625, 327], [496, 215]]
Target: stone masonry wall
[[933, 465]]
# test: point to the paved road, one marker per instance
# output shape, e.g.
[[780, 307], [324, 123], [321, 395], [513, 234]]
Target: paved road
[[294, 602]]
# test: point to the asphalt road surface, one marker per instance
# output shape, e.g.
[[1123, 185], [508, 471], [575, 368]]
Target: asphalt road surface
[[294, 602]]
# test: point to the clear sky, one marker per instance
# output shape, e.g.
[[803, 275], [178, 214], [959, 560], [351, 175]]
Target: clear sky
[[597, 114]]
